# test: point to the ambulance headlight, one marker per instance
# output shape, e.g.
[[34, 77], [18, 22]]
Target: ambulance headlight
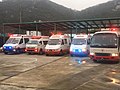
[[14, 50], [10, 47], [92, 53], [4, 47], [84, 49], [114, 54], [71, 49]]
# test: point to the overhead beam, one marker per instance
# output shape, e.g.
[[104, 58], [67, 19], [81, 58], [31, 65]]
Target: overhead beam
[[96, 24]]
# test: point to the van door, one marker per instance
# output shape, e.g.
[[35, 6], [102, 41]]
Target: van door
[[21, 45], [66, 45], [40, 44], [26, 40], [44, 44]]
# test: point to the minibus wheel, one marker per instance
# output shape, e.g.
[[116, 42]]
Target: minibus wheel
[[96, 61]]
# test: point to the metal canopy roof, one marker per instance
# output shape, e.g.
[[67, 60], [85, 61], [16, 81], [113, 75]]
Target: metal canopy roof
[[68, 24]]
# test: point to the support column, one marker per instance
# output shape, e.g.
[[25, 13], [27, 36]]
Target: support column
[[36, 29], [87, 32], [55, 28], [3, 33], [71, 34], [19, 29]]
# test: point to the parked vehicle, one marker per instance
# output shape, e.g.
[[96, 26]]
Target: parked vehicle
[[1, 49], [58, 45], [16, 44], [37, 45], [105, 45], [80, 45]]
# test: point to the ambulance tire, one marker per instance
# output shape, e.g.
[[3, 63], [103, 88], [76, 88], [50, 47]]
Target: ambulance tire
[[5, 52], [61, 53], [95, 61], [29, 53], [18, 51], [41, 52], [47, 54], [71, 55]]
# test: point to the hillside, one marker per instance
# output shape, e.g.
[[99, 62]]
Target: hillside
[[12, 11], [105, 10]]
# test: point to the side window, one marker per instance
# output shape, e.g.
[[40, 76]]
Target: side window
[[62, 42], [21, 41], [26, 40], [45, 42], [65, 41], [40, 42]]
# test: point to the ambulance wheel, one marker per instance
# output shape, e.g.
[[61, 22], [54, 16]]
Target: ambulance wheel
[[18, 51], [61, 53], [71, 55], [5, 52], [41, 52], [47, 54], [29, 53], [96, 61]]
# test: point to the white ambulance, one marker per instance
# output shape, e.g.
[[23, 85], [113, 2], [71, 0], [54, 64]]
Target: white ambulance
[[37, 44], [58, 45], [16, 44], [80, 45]]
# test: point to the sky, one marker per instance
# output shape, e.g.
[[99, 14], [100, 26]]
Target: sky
[[79, 4]]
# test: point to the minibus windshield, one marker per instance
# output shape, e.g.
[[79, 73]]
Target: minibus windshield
[[54, 42], [107, 40]]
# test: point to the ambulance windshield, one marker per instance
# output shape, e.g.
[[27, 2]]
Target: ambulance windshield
[[54, 42], [79, 41], [13, 41], [33, 42]]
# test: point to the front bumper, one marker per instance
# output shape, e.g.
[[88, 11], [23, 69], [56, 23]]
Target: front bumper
[[52, 52], [81, 54], [103, 58], [31, 50], [10, 50]]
